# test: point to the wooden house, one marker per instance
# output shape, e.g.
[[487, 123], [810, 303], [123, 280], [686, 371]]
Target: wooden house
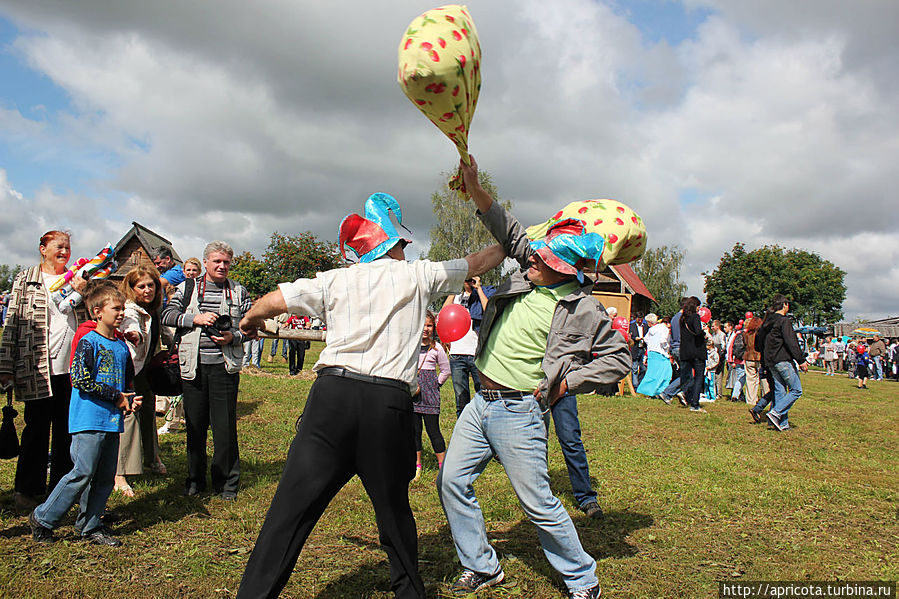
[[136, 247], [619, 286]]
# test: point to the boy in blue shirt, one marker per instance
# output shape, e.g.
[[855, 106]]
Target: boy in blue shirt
[[101, 372]]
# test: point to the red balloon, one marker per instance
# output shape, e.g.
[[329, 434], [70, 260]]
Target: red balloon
[[453, 323], [748, 315], [705, 314], [741, 321], [620, 324], [739, 326]]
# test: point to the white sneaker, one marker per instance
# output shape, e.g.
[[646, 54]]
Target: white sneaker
[[162, 430]]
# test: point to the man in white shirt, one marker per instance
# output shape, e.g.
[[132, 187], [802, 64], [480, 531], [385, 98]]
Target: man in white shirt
[[358, 417]]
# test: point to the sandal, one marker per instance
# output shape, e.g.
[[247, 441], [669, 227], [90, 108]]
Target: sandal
[[158, 467], [122, 486]]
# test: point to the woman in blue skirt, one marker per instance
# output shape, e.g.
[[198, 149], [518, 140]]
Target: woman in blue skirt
[[658, 364]]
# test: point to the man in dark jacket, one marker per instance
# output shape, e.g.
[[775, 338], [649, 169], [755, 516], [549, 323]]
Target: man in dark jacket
[[780, 352]]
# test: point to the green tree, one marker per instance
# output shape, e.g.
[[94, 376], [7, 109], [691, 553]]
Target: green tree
[[660, 269], [748, 280], [291, 257], [7, 275], [457, 232], [252, 273]]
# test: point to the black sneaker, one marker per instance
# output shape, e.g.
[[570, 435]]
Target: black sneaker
[[592, 593], [592, 510], [756, 417], [682, 399], [471, 582], [102, 536], [39, 532]]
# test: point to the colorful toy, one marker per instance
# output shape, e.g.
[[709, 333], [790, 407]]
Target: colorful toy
[[623, 230], [440, 72], [99, 267]]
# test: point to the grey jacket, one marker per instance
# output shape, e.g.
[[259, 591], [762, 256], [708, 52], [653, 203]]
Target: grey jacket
[[582, 347], [189, 347]]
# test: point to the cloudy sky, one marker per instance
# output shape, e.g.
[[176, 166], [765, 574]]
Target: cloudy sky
[[718, 121]]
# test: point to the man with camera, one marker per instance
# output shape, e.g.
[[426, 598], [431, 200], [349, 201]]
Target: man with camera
[[206, 313]]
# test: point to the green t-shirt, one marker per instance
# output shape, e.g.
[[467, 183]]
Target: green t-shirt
[[514, 351]]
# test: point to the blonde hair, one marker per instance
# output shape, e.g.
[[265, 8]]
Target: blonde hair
[[195, 261], [100, 292], [651, 318]]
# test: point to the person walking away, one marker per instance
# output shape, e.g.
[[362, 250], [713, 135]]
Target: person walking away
[[781, 354], [751, 361], [693, 353], [102, 373], [658, 363]]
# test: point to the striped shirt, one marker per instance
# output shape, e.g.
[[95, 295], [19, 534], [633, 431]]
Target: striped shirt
[[375, 312], [210, 300]]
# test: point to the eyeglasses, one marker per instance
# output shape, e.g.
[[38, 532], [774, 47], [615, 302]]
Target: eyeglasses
[[469, 280]]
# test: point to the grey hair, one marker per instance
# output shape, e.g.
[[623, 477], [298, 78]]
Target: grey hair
[[651, 318], [218, 246], [612, 311]]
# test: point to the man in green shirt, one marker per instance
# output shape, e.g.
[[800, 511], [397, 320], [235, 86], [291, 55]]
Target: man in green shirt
[[543, 336]]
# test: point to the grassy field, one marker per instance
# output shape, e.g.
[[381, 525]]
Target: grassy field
[[689, 499]]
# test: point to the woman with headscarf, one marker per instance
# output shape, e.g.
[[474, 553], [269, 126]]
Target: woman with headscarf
[[34, 358], [658, 364]]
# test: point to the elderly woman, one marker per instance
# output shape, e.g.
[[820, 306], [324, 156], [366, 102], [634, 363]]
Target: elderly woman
[[34, 357], [658, 364]]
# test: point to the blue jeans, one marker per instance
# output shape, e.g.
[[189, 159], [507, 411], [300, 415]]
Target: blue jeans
[[461, 366], [568, 431], [787, 389], [96, 455], [515, 430], [252, 352], [283, 348], [739, 381], [878, 367], [768, 398]]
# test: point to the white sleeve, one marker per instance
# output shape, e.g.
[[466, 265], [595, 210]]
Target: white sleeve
[[305, 296], [441, 278]]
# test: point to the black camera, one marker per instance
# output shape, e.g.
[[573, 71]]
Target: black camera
[[221, 324]]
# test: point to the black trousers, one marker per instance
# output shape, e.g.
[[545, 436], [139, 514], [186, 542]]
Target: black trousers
[[40, 416], [432, 425], [692, 375], [349, 427], [210, 400], [297, 355]]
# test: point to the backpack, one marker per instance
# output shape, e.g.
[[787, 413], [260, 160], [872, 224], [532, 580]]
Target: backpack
[[739, 347]]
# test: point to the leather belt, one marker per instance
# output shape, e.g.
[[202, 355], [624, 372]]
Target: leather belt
[[496, 394], [349, 374]]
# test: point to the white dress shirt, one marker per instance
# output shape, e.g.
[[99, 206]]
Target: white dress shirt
[[375, 312]]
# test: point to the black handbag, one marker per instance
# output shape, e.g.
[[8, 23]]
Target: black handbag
[[164, 371], [9, 440]]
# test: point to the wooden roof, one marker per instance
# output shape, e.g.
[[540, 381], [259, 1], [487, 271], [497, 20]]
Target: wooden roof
[[150, 240]]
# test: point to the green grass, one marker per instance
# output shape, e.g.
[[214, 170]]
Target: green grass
[[689, 499]]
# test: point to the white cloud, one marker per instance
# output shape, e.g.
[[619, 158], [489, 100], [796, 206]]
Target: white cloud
[[285, 117]]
